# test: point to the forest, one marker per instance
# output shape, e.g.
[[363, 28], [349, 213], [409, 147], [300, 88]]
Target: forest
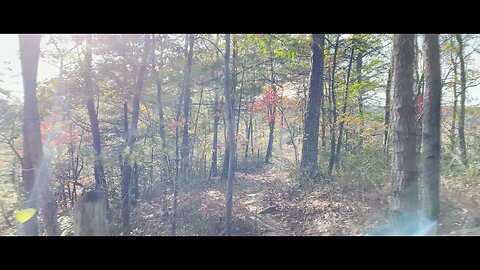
[[240, 134]]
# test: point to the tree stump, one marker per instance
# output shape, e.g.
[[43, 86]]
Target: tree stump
[[90, 217]]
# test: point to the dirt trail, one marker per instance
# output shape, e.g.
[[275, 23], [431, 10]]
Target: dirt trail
[[257, 193]]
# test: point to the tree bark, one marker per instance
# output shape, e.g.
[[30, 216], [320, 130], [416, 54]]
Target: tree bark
[[177, 166], [333, 108], [405, 182], [344, 109], [186, 108], [360, 93], [463, 90], [161, 123], [231, 140], [387, 104], [216, 119], [431, 127], [35, 168], [32, 145], [132, 136], [309, 161], [272, 111], [455, 103], [100, 182]]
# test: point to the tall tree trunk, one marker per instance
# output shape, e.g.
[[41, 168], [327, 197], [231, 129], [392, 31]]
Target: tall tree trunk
[[161, 123], [272, 111], [404, 171], [186, 108], [463, 90], [132, 135], [32, 145], [344, 109], [360, 93], [455, 102], [231, 140], [100, 182], [387, 104], [177, 166], [431, 127], [35, 167], [333, 108], [309, 161], [216, 118]]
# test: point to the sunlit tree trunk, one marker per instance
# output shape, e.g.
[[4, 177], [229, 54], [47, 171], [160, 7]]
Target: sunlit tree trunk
[[32, 145]]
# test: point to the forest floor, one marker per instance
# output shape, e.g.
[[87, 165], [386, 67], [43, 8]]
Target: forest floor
[[268, 202]]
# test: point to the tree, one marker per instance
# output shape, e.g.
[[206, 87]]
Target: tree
[[431, 127], [344, 109], [100, 182], [463, 90], [190, 39], [32, 146], [405, 182], [230, 139], [315, 92], [131, 138], [333, 107], [35, 169]]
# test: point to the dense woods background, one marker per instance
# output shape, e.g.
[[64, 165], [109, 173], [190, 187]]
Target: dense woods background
[[242, 134]]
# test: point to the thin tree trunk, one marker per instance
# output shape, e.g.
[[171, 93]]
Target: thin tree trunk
[[231, 140], [431, 128], [333, 108], [186, 109], [196, 123], [455, 103], [132, 135], [100, 182], [360, 94], [463, 90], [309, 161], [387, 104], [272, 110], [292, 135], [216, 118], [177, 167], [248, 132], [404, 171], [344, 110], [161, 122]]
